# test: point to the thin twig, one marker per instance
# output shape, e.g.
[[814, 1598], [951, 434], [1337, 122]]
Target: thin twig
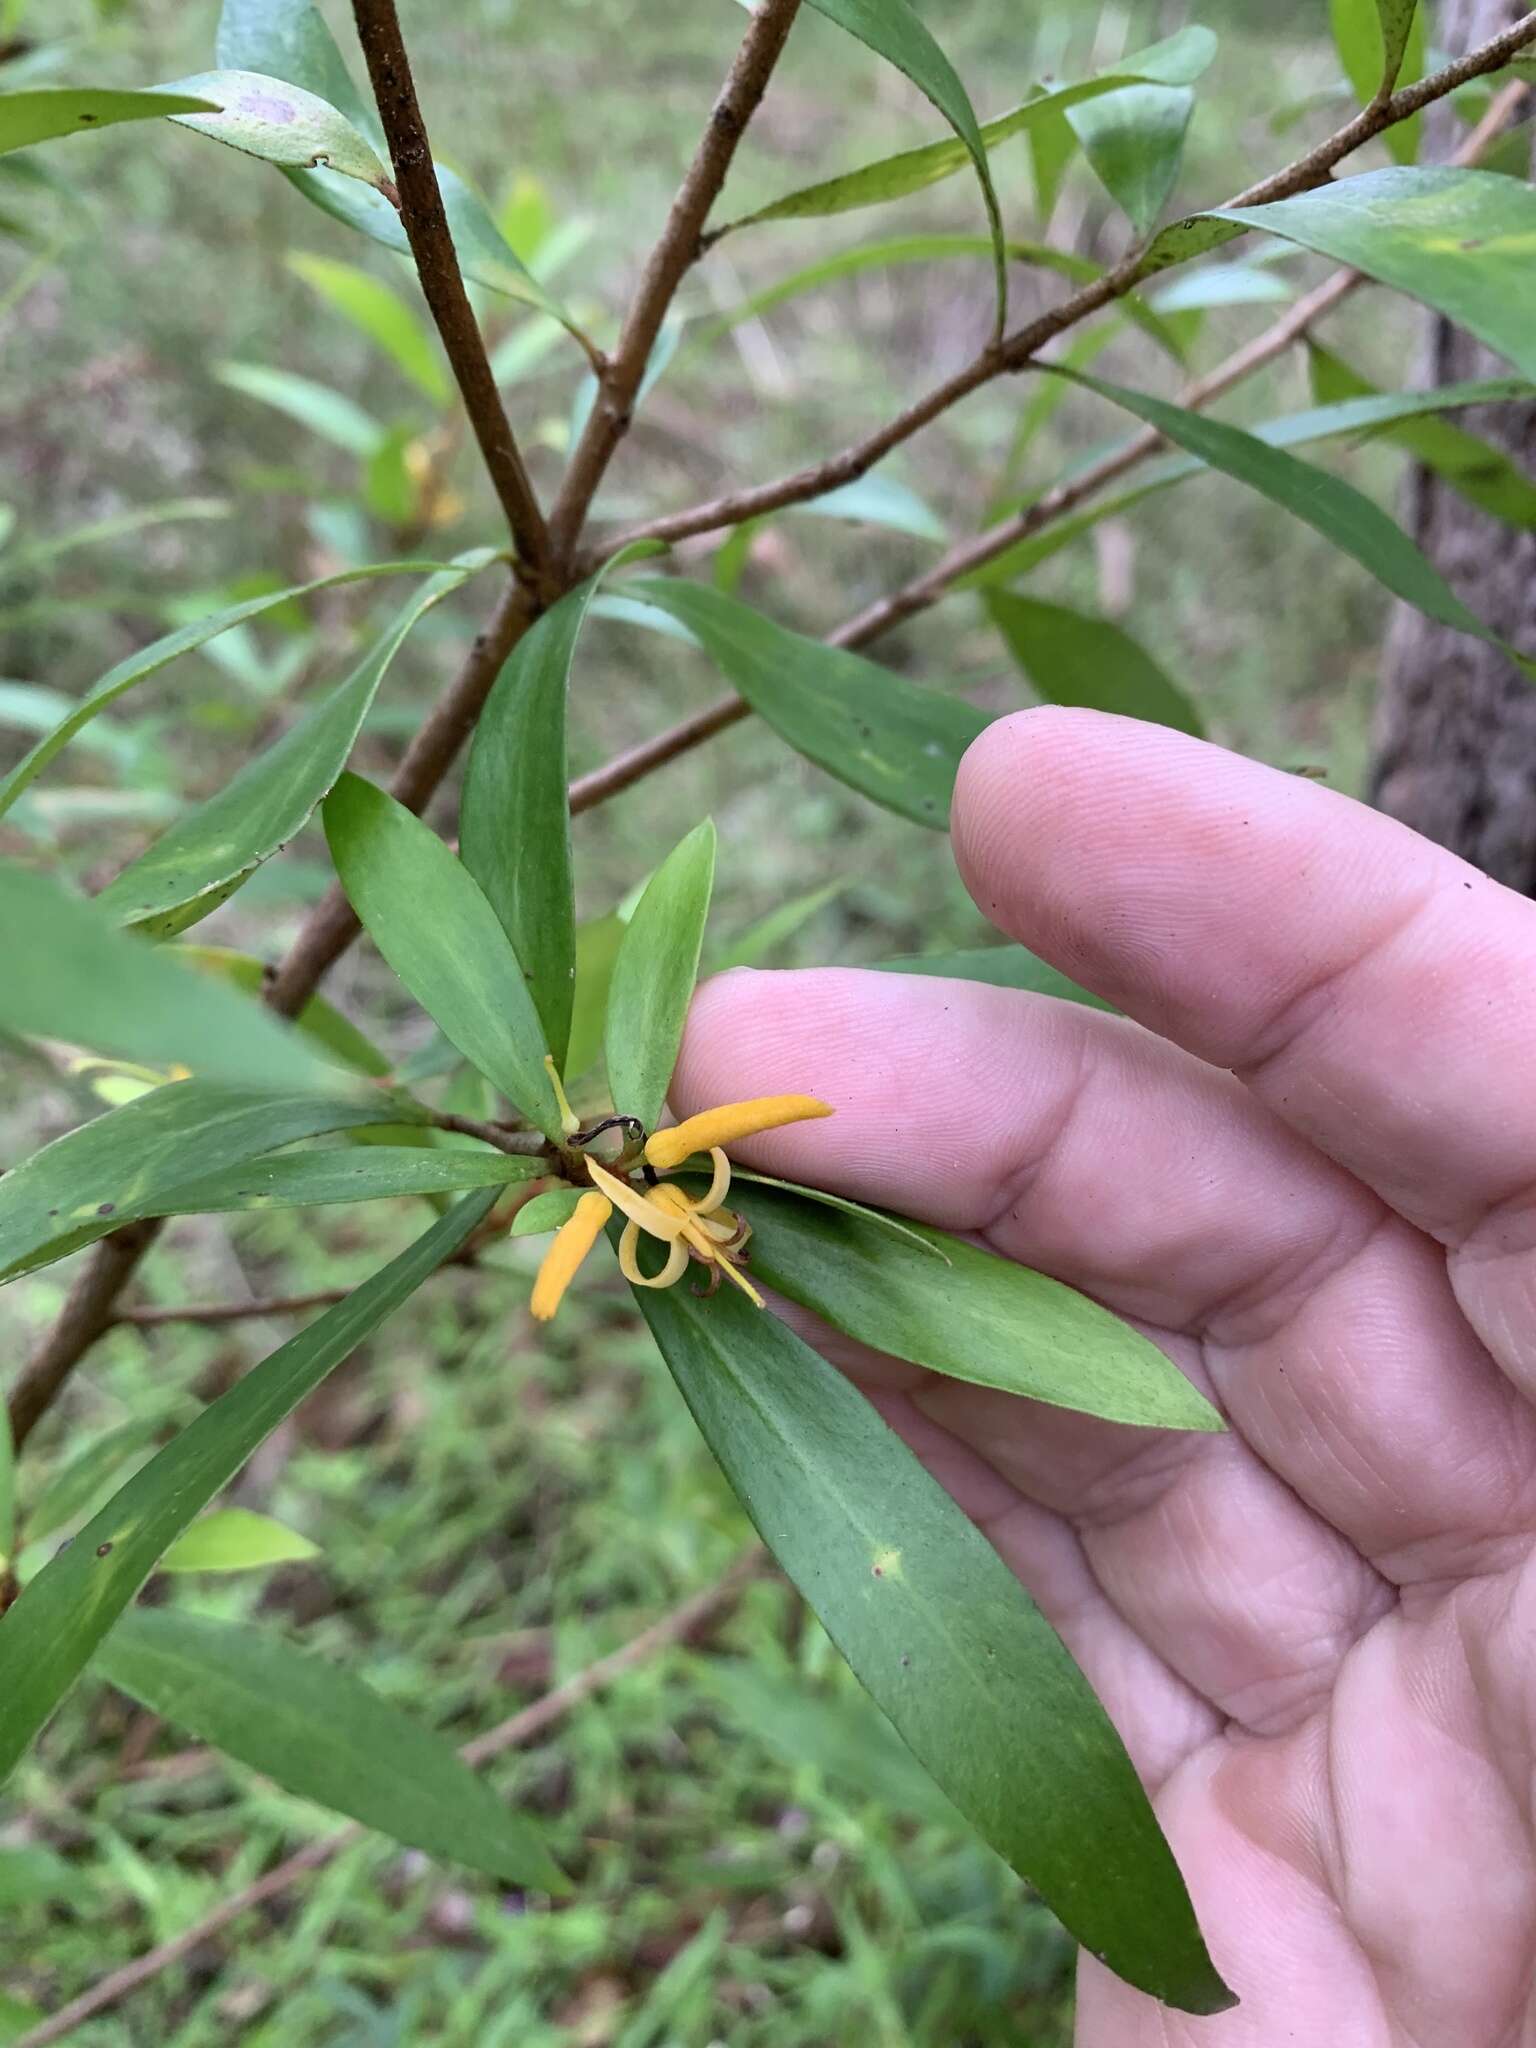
[[331, 925], [683, 1623], [147, 1316], [519, 1144], [676, 249], [442, 282], [1053, 506], [86, 1313], [1017, 350]]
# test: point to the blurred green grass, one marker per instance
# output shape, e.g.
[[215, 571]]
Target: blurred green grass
[[493, 1511]]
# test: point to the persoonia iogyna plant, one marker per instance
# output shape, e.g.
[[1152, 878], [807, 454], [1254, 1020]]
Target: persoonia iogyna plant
[[224, 1071]]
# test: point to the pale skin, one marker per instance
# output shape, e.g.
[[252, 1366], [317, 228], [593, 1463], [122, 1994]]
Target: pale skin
[[1306, 1166]]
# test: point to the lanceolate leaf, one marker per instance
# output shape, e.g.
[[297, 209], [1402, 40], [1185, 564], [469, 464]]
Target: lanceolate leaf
[[545, 1212], [318, 1020], [1336, 509], [281, 123], [998, 967], [1134, 141], [973, 1316], [235, 1540], [597, 950], [1381, 45], [941, 1633], [1178, 61], [331, 414], [654, 976], [289, 39], [73, 976], [115, 1168], [219, 845], [515, 820], [1475, 469], [63, 1615], [135, 667], [894, 31], [53, 110], [431, 921], [1459, 240], [1071, 658], [320, 1732], [352, 1173], [84, 1478], [864, 724], [378, 311], [1362, 415]]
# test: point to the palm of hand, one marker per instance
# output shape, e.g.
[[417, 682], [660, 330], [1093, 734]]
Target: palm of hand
[[1317, 1634]]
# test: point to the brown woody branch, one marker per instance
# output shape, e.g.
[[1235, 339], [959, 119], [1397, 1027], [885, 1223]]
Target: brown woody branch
[[442, 282], [1016, 350], [151, 1317], [684, 1623], [1055, 505], [676, 249]]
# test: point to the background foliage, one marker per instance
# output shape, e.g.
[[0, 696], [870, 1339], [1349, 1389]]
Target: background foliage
[[490, 1512]]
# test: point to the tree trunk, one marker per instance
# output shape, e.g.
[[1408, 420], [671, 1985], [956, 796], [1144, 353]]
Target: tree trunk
[[1455, 742]]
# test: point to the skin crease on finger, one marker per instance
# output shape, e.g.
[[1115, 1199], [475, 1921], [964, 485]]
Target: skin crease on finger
[[1360, 1850]]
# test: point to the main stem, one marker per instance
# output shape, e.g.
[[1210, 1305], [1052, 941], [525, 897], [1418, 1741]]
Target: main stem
[[442, 282]]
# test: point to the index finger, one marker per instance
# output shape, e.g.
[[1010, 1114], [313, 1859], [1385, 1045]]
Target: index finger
[[1378, 993]]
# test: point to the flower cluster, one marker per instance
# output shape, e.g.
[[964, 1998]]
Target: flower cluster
[[691, 1227]]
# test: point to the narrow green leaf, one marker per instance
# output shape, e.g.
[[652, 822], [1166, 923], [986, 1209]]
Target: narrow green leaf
[[318, 1020], [781, 923], [116, 1168], [282, 124], [289, 39], [321, 1732], [7, 1485], [1182, 241], [977, 1317], [1134, 142], [53, 110], [134, 668], [1178, 61], [1071, 658], [380, 313], [998, 967], [942, 1635], [877, 500], [81, 1480], [1325, 502], [63, 1615], [484, 256], [843, 1736], [894, 31], [654, 977], [301, 1180], [515, 819], [73, 976], [431, 921], [545, 1212], [1223, 284], [331, 414], [886, 737], [1475, 469], [218, 846], [907, 1236], [1460, 241], [1294, 430], [235, 1540], [597, 952], [29, 556], [1381, 44]]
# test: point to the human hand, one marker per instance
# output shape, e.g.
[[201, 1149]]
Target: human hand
[[1308, 1170]]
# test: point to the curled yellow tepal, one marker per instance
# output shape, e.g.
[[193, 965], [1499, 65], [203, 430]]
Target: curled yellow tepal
[[715, 1127], [693, 1228]]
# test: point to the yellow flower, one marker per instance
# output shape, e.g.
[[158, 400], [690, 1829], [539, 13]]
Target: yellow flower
[[697, 1227]]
